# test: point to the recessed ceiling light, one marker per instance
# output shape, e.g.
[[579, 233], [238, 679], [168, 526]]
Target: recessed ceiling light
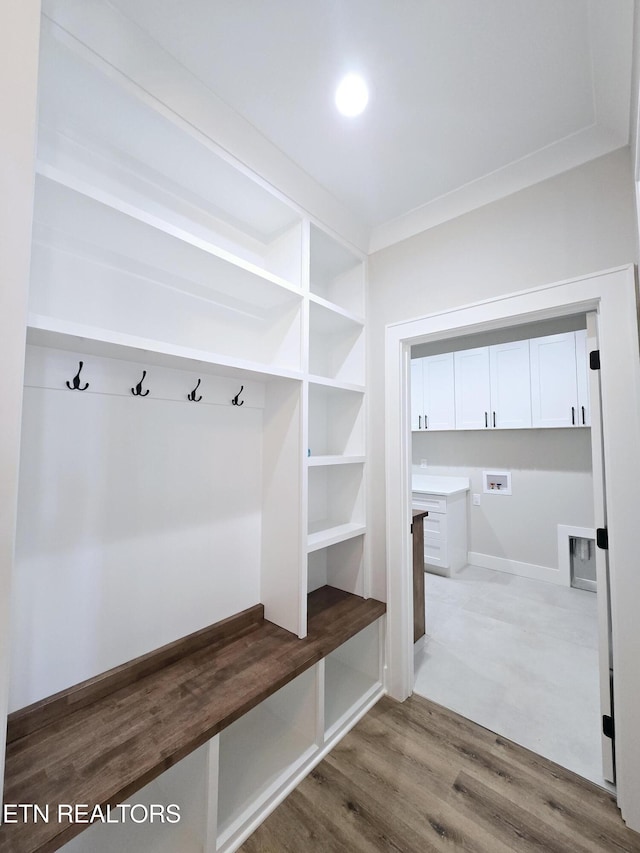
[[352, 95]]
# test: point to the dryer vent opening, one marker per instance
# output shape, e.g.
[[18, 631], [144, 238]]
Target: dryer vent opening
[[583, 563]]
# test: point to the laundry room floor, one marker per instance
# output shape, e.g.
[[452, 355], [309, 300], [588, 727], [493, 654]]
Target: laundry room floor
[[519, 657]]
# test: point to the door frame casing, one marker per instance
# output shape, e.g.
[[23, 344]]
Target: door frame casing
[[612, 294]]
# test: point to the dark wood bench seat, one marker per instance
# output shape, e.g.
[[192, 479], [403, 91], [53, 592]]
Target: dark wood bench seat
[[101, 741]]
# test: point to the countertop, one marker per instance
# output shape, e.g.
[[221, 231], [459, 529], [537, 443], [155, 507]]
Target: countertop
[[432, 485]]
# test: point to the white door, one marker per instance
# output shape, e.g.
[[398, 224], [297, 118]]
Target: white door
[[582, 375], [602, 563], [554, 392], [472, 388], [510, 385], [439, 397], [417, 395]]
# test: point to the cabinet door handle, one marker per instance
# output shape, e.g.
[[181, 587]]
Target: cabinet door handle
[[494, 419], [426, 422], [486, 420], [583, 420], [419, 421], [573, 415]]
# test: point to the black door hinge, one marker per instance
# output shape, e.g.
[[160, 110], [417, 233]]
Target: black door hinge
[[607, 726], [602, 538], [411, 528], [594, 359]]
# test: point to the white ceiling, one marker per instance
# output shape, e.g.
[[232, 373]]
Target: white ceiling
[[469, 100]]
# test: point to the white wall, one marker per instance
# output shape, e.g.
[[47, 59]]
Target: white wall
[[551, 485], [136, 517], [19, 34], [576, 223]]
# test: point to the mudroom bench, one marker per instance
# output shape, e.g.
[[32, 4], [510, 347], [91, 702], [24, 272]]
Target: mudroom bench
[[101, 741]]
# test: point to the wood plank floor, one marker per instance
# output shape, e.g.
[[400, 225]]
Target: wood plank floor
[[417, 777]]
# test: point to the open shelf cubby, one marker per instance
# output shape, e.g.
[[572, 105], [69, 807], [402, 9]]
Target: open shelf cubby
[[87, 112], [185, 789], [336, 345], [336, 423], [261, 750], [337, 273], [340, 566], [336, 504], [352, 676]]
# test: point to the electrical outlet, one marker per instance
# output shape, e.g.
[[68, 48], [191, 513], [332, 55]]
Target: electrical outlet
[[423, 463], [476, 500]]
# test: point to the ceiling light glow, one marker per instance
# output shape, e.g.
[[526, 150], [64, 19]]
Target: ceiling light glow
[[352, 95]]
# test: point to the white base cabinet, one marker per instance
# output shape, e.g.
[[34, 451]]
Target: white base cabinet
[[445, 531]]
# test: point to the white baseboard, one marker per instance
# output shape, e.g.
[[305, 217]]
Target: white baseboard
[[516, 567], [419, 644]]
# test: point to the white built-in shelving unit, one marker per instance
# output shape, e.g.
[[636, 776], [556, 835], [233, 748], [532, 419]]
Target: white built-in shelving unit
[[161, 266]]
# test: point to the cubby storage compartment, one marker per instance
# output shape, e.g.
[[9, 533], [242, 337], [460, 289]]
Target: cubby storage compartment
[[336, 504], [263, 749], [96, 265], [337, 273], [336, 345], [99, 128], [352, 677], [144, 518], [336, 424], [146, 823], [340, 565]]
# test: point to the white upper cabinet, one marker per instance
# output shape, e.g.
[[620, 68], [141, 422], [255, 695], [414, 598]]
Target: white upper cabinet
[[510, 385], [432, 393], [439, 398], [542, 382], [417, 394], [582, 370], [472, 388], [557, 372]]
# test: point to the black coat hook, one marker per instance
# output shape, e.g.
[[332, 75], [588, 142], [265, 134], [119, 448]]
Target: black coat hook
[[192, 395], [76, 381], [235, 402], [137, 391]]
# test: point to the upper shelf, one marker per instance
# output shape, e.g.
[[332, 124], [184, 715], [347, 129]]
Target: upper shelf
[[109, 266], [74, 217], [90, 340], [86, 112]]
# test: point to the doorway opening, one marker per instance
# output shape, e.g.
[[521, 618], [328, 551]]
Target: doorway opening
[[510, 643], [612, 296]]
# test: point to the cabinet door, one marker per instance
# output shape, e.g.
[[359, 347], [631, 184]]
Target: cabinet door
[[472, 388], [554, 391], [510, 385], [439, 398], [582, 373], [417, 394]]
